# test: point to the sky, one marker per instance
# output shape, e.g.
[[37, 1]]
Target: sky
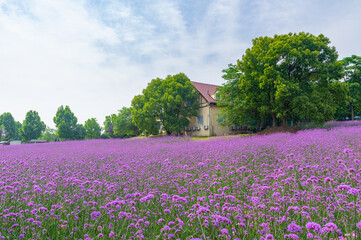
[[96, 55]]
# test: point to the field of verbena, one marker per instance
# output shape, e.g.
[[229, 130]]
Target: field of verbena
[[295, 186]]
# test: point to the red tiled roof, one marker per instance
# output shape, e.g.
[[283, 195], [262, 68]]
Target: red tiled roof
[[206, 90]]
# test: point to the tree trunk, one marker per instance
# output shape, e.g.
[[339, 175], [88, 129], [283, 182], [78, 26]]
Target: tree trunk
[[284, 122], [352, 112], [273, 120]]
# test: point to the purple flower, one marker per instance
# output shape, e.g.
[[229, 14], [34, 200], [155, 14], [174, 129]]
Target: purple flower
[[358, 225], [43, 209], [331, 227], [95, 214], [269, 237], [224, 231], [111, 234], [291, 236], [313, 226], [353, 191], [293, 227]]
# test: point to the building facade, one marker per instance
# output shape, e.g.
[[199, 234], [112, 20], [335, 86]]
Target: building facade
[[206, 123]]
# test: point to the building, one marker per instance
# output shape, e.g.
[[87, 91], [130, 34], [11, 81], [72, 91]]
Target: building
[[15, 142], [206, 121]]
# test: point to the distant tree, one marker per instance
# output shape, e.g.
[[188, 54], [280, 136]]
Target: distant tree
[[123, 124], [79, 132], [66, 123], [144, 115], [8, 121], [32, 126], [288, 76], [352, 69], [231, 99], [92, 128], [120, 125], [49, 135], [109, 125], [18, 130], [164, 101], [2, 131]]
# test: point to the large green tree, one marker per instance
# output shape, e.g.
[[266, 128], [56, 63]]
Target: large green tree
[[7, 120], [164, 101], [120, 125], [292, 76], [92, 128], [32, 126], [66, 123], [352, 69]]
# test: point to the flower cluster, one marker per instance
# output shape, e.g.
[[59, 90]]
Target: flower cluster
[[282, 186]]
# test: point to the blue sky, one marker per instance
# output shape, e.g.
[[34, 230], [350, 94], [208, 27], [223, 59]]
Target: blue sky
[[96, 55]]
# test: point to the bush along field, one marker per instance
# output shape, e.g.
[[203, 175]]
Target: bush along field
[[282, 186]]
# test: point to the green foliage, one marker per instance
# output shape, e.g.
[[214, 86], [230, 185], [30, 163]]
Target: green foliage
[[163, 102], [120, 125], [9, 126], [2, 131], [18, 130], [32, 126], [66, 123], [352, 70], [92, 129], [109, 125], [79, 132], [288, 76], [49, 135], [316, 126]]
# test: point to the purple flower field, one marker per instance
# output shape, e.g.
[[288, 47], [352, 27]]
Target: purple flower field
[[282, 186]]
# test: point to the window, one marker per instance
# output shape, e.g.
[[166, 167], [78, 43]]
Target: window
[[200, 120], [188, 102]]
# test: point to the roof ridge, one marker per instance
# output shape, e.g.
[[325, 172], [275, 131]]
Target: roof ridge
[[205, 84]]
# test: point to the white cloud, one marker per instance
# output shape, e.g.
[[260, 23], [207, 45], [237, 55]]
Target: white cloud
[[50, 58], [95, 58]]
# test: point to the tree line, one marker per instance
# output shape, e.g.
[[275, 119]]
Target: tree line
[[67, 127], [280, 80], [33, 128]]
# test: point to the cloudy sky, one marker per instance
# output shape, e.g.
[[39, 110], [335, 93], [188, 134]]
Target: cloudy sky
[[96, 55]]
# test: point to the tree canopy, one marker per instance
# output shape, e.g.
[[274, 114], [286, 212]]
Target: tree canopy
[[352, 69], [9, 125], [66, 123], [163, 102], [120, 125], [92, 129], [291, 76], [32, 126]]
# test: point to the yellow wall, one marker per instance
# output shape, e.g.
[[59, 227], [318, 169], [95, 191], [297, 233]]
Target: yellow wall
[[214, 129], [217, 130]]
